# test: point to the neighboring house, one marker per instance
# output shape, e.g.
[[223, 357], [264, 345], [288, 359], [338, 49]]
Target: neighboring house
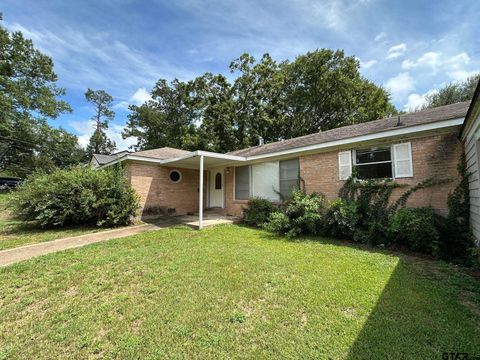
[[98, 160], [408, 148], [470, 134]]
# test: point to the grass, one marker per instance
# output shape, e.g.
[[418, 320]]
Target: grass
[[234, 292], [15, 233]]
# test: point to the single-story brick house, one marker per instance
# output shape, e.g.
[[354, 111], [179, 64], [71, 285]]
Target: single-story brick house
[[408, 148]]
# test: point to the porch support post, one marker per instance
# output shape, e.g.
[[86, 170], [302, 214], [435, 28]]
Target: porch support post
[[200, 196]]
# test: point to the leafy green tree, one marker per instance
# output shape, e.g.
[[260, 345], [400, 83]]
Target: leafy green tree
[[318, 91], [453, 93], [167, 120], [99, 142], [28, 95]]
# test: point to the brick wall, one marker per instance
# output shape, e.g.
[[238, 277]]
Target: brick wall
[[158, 194], [433, 156]]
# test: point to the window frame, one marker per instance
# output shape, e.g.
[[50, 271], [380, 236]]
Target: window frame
[[250, 179], [391, 161], [179, 173]]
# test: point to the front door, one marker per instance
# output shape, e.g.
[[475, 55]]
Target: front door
[[216, 187]]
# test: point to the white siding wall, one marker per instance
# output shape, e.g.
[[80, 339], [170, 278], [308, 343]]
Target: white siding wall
[[472, 152]]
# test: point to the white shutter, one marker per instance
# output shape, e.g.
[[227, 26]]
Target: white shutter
[[402, 155], [344, 164]]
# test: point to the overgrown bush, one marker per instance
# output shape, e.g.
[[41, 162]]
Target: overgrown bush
[[456, 243], [301, 214], [258, 211], [76, 196], [415, 229], [341, 219]]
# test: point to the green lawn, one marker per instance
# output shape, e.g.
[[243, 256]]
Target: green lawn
[[14, 233], [235, 292]]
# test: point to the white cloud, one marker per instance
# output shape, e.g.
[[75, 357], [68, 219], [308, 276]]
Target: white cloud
[[396, 51], [381, 36], [95, 59], [461, 75], [458, 61], [416, 101], [367, 64], [138, 98], [400, 86], [114, 132], [429, 59]]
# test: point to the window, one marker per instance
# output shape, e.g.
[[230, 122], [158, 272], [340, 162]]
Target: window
[[374, 163], [175, 176], [242, 183], [267, 180], [218, 181], [378, 162], [289, 177]]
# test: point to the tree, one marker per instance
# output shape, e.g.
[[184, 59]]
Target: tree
[[318, 91], [453, 93], [28, 95], [99, 142], [167, 120]]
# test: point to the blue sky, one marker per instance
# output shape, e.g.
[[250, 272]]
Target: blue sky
[[124, 46]]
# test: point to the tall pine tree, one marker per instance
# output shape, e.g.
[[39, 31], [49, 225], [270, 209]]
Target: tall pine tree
[[99, 142]]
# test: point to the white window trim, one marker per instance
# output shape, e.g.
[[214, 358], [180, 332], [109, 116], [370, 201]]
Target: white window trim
[[179, 172]]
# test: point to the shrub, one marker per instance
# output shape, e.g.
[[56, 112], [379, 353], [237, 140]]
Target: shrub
[[456, 242], [258, 212], [415, 228], [341, 219], [299, 215], [76, 196]]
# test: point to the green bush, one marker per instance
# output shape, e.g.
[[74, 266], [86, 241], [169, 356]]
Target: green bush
[[258, 212], [341, 219], [302, 214], [415, 228], [76, 196]]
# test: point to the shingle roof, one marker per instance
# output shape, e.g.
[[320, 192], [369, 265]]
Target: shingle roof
[[440, 113], [104, 159], [162, 153]]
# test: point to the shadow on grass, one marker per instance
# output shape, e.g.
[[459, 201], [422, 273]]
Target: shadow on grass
[[420, 315], [426, 308]]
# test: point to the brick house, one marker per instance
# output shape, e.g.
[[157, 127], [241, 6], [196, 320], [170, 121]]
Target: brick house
[[408, 148]]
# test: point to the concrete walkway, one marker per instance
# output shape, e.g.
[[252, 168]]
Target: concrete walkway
[[14, 255], [11, 256]]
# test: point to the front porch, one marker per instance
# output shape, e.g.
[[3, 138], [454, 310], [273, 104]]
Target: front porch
[[211, 217]]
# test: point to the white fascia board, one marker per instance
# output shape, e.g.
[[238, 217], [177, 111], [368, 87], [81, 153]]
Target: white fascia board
[[220, 156], [377, 136]]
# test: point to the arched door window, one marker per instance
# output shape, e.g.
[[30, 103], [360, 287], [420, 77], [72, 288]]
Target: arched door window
[[218, 181]]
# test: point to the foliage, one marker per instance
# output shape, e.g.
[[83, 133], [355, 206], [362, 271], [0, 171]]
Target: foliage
[[268, 99], [29, 94], [341, 219], [456, 241], [415, 228], [78, 196], [301, 214], [258, 211], [99, 142], [453, 93]]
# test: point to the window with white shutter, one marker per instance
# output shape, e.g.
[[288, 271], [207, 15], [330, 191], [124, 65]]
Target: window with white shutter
[[402, 155], [344, 164]]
